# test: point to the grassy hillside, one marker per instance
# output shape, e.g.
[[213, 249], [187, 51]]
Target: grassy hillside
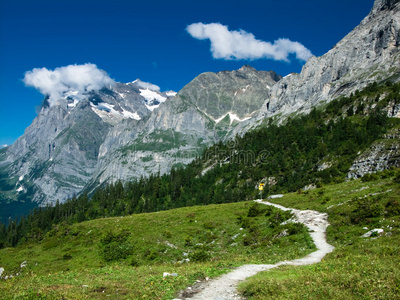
[[76, 262], [360, 267], [125, 257]]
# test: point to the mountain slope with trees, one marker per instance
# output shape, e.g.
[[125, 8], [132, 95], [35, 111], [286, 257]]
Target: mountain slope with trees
[[307, 151]]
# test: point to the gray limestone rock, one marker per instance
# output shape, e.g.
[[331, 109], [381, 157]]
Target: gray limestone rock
[[367, 54], [382, 155]]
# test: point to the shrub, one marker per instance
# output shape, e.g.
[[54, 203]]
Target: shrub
[[325, 200], [151, 254], [247, 241], [365, 208], [393, 208], [397, 178], [277, 218], [110, 237], [338, 179], [269, 209], [369, 177], [67, 256], [116, 251], [114, 246], [199, 256], [293, 228], [167, 234], [209, 225], [256, 210], [134, 262], [188, 241]]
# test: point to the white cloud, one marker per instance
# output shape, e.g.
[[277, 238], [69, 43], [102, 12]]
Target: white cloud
[[239, 44], [147, 85], [72, 79]]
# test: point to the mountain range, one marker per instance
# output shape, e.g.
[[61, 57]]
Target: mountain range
[[129, 130]]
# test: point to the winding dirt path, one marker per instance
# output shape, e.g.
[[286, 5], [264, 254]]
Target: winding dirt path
[[224, 287]]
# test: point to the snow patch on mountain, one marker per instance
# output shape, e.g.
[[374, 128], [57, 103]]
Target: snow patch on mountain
[[152, 98], [150, 95], [73, 104], [121, 95], [232, 117], [171, 93], [128, 114], [105, 110]]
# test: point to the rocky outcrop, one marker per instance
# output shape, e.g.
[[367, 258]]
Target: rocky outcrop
[[55, 157], [241, 92], [382, 155], [367, 54]]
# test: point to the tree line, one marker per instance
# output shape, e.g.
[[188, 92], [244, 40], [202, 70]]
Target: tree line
[[286, 158]]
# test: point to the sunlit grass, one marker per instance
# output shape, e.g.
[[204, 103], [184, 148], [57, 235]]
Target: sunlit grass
[[359, 268], [68, 262]]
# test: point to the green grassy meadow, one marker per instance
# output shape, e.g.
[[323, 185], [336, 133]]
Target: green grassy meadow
[[125, 257], [360, 267]]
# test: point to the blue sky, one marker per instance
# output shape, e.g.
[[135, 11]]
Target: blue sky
[[148, 40]]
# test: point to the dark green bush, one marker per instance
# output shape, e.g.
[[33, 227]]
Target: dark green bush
[[397, 178], [392, 208], [188, 241], [209, 225], [167, 234], [116, 251], [293, 228], [110, 237], [114, 246], [256, 210], [151, 254], [134, 262], [369, 177], [199, 256], [277, 218], [325, 200], [366, 208], [67, 256], [244, 222]]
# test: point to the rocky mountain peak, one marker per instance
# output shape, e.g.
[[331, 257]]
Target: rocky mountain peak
[[240, 92], [380, 5], [369, 53], [247, 68]]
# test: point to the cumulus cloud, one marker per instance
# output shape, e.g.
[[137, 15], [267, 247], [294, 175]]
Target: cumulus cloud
[[75, 80], [239, 44], [147, 85]]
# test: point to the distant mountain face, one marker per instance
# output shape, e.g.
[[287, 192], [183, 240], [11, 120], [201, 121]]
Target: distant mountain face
[[132, 129], [369, 53], [205, 111], [58, 153], [126, 131]]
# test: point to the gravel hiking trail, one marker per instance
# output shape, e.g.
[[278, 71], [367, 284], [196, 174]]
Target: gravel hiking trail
[[224, 287]]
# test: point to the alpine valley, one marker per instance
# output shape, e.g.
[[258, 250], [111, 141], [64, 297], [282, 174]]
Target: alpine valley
[[129, 192], [126, 131]]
